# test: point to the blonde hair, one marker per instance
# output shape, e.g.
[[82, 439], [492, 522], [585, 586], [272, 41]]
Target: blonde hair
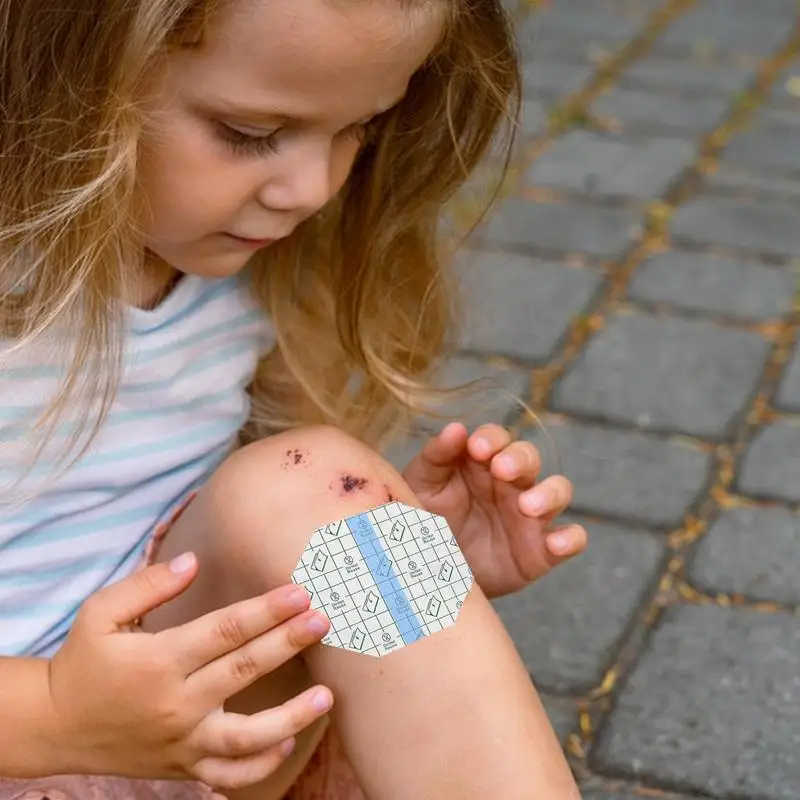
[[360, 303]]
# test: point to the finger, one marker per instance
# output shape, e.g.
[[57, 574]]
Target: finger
[[435, 464], [518, 464], [231, 774], [448, 446], [205, 639], [128, 600], [547, 500], [565, 542], [487, 441], [239, 735], [235, 671]]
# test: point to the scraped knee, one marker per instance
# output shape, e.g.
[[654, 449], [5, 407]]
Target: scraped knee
[[268, 498]]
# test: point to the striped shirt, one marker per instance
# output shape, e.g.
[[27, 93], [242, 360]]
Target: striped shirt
[[180, 404]]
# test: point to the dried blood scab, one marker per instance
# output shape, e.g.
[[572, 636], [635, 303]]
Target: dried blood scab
[[295, 457], [351, 483], [390, 498]]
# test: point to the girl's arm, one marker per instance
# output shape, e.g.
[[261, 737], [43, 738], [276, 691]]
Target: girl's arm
[[451, 717], [27, 729]]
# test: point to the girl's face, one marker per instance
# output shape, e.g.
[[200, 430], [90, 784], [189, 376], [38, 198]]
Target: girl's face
[[254, 131]]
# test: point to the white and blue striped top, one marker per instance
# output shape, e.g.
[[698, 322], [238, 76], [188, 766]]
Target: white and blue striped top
[[180, 405]]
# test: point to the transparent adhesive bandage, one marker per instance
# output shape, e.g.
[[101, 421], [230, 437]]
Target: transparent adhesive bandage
[[385, 578]]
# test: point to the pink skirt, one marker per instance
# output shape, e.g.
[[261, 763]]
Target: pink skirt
[[327, 776]]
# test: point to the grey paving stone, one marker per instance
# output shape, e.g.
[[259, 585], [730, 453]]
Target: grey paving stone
[[633, 10], [766, 227], [554, 78], [697, 282], [573, 28], [600, 794], [591, 230], [562, 713], [622, 474], [567, 625], [771, 466], [601, 165], [687, 75], [769, 145], [751, 551], [662, 113], [783, 10], [789, 390], [713, 706], [520, 306], [588, 25], [494, 399], [623, 794], [714, 27], [731, 180], [595, 49], [663, 374]]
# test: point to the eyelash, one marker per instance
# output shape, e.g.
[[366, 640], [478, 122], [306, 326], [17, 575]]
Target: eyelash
[[244, 144]]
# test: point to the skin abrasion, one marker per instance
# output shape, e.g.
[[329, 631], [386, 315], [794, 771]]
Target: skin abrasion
[[294, 458], [352, 483]]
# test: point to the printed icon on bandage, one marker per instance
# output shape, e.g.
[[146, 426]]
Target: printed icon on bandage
[[385, 578]]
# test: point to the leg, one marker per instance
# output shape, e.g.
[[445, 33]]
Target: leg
[[226, 524], [250, 525]]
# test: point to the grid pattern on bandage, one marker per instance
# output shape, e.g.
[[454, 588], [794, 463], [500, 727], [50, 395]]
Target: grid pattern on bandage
[[416, 556]]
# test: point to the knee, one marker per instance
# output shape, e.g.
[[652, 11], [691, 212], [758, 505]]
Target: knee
[[267, 499]]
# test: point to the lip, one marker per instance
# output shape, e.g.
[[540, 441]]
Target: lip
[[253, 244]]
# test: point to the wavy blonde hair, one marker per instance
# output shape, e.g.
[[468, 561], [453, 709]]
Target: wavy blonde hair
[[359, 300]]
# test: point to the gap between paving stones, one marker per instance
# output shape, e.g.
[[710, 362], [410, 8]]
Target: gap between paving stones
[[673, 587]]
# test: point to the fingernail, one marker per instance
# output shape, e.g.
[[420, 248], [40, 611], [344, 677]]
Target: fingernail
[[286, 746], [535, 501], [182, 563], [317, 625], [509, 464], [483, 446], [557, 542], [298, 597], [322, 702]]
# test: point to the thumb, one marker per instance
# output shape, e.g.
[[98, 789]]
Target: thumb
[[122, 603]]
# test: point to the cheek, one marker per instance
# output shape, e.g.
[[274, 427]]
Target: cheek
[[187, 184]]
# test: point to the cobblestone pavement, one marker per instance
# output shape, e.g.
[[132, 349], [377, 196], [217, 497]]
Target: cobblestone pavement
[[638, 286]]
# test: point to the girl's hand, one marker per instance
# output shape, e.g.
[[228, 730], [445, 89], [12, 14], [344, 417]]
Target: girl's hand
[[144, 705], [484, 485]]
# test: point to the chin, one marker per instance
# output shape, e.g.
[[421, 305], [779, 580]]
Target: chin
[[217, 266]]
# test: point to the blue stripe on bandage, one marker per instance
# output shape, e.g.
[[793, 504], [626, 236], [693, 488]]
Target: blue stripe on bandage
[[381, 569]]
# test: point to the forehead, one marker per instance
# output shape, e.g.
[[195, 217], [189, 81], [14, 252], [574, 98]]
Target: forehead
[[316, 54]]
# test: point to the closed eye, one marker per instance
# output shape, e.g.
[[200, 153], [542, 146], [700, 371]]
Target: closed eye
[[247, 144]]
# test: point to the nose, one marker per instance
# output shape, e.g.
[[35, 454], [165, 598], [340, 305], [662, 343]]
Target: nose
[[303, 186]]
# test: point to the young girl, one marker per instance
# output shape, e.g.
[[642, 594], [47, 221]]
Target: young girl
[[174, 173]]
